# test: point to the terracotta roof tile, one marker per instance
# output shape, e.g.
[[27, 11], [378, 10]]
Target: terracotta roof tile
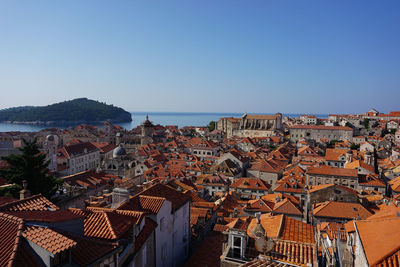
[[284, 228], [105, 224], [89, 250], [250, 183], [293, 252], [5, 200], [46, 216], [37, 202], [315, 188], [344, 210], [297, 231], [326, 170], [334, 154], [143, 203], [163, 191], [208, 253], [10, 239], [380, 240], [287, 207], [48, 239]]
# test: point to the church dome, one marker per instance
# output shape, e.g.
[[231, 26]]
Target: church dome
[[119, 151], [50, 138]]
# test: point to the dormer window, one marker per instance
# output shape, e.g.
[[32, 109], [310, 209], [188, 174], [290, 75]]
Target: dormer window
[[237, 246]]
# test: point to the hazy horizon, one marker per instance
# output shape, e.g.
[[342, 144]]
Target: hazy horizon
[[207, 112], [314, 57]]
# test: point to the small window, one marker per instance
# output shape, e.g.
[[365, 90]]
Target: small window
[[162, 224], [237, 241]]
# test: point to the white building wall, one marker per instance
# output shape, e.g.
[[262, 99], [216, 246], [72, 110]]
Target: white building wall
[[83, 162], [181, 234], [171, 249]]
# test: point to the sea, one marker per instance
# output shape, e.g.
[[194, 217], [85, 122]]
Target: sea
[[163, 118]]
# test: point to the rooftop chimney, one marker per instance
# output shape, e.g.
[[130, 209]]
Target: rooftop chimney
[[24, 193], [119, 195]]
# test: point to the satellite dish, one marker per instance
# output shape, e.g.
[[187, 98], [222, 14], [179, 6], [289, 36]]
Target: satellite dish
[[264, 245], [260, 244]]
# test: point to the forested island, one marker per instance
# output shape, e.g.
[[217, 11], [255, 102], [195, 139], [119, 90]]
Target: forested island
[[80, 110]]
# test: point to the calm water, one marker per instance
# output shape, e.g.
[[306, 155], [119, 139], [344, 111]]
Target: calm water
[[163, 118]]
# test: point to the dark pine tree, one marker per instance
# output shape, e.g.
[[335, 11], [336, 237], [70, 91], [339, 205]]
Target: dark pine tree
[[30, 165]]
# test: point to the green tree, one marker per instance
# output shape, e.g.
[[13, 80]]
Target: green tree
[[354, 146], [365, 123], [30, 165], [211, 126]]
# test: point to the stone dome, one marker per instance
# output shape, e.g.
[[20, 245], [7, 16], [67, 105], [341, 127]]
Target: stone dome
[[119, 151], [50, 138]]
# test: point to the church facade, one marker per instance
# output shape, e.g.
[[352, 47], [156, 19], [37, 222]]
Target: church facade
[[251, 125]]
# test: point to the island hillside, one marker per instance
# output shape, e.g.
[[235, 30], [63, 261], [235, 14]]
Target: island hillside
[[78, 110]]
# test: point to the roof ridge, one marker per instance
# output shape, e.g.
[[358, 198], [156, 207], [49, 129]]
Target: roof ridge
[[146, 196], [18, 238], [280, 225], [381, 219], [105, 214]]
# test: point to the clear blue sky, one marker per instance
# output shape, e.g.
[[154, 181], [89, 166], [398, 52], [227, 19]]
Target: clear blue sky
[[203, 56]]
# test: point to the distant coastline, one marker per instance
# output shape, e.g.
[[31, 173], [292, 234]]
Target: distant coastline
[[163, 118]]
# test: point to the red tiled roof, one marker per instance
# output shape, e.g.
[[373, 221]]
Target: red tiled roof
[[263, 165], [106, 225], [36, 202], [359, 163], [14, 252], [260, 205], [326, 170], [250, 183], [89, 179], [5, 200], [104, 146], [46, 215], [89, 251], [48, 239], [10, 239], [220, 228], [208, 253], [143, 203], [293, 252], [380, 240], [296, 231], [284, 228], [344, 210], [213, 180], [287, 207], [315, 188], [333, 154]]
